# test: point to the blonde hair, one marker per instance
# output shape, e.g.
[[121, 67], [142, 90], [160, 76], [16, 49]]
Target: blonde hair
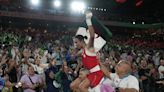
[[150, 66]]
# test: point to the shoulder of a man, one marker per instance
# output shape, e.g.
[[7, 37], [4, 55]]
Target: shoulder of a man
[[133, 82], [23, 78], [131, 77]]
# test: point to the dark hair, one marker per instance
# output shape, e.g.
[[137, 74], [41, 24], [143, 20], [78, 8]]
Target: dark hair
[[80, 37], [161, 58], [29, 67]]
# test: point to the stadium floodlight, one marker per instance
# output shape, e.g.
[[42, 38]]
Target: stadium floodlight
[[35, 2], [78, 6], [57, 3]]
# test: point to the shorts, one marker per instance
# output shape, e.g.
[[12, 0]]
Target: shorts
[[95, 78]]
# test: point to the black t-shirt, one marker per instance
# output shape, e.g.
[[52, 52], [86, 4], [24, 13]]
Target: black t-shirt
[[150, 79], [144, 72]]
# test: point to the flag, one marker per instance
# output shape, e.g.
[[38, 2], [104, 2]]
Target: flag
[[100, 29], [102, 34]]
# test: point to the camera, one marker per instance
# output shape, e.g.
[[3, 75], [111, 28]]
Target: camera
[[4, 66]]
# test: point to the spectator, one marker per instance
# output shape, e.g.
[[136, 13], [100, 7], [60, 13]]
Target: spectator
[[161, 69], [25, 62], [2, 84], [50, 73], [5, 84], [57, 56], [12, 72], [66, 78], [156, 59], [144, 76], [31, 82], [135, 70], [123, 81]]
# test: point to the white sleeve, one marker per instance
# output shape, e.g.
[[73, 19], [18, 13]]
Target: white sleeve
[[13, 53], [46, 65], [34, 66], [160, 69]]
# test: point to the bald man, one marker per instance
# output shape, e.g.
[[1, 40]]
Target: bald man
[[122, 80]]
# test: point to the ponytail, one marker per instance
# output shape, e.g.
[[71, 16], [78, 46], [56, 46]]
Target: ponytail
[[80, 37]]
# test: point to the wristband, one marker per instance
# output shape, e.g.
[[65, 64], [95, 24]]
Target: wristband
[[88, 21]]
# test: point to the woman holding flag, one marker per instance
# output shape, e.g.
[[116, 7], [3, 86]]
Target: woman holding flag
[[89, 58]]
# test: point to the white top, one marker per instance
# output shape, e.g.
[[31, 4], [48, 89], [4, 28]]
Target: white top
[[160, 69], [156, 60], [126, 82], [57, 57], [94, 69]]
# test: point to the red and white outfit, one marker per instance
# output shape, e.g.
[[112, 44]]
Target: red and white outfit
[[91, 63]]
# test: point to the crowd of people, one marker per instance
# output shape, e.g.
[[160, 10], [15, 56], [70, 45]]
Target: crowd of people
[[37, 65], [147, 65], [141, 38]]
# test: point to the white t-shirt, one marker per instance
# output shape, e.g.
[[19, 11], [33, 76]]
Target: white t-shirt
[[160, 69], [126, 82], [57, 57], [156, 60]]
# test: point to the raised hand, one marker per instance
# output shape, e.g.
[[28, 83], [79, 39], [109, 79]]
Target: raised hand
[[51, 74], [88, 14]]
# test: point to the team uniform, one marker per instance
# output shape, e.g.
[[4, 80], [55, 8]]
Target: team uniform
[[92, 64]]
